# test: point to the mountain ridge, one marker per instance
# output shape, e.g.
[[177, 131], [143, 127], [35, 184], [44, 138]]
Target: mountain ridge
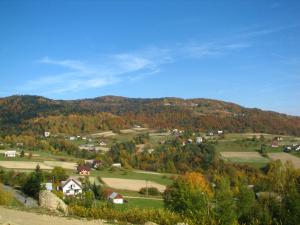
[[18, 111]]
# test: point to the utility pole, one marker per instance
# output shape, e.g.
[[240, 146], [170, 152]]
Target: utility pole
[[147, 188]]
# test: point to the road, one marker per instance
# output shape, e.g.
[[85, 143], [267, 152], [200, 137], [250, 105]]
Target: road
[[17, 217], [21, 197]]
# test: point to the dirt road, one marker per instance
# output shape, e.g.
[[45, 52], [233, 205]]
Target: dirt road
[[16, 217]]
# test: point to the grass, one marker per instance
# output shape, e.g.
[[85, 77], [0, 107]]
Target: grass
[[140, 203], [126, 174]]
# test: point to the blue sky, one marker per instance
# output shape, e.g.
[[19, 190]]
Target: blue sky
[[247, 52]]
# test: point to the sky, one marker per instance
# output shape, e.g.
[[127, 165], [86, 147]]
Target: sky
[[246, 51]]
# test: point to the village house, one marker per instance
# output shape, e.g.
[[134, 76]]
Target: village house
[[11, 153], [83, 170], [275, 144], [118, 165], [93, 163], [46, 134], [115, 198], [102, 143], [199, 140], [71, 187]]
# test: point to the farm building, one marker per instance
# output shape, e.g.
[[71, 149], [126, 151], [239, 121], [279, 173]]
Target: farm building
[[118, 165], [71, 187], [10, 153], [84, 170], [115, 198]]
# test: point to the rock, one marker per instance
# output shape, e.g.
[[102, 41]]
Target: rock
[[50, 201], [150, 223]]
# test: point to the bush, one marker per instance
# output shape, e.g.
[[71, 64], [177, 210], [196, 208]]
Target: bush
[[135, 216], [151, 191], [6, 198]]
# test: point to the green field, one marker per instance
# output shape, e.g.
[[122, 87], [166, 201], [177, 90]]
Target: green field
[[140, 203]]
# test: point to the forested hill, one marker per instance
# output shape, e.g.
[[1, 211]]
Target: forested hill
[[34, 114]]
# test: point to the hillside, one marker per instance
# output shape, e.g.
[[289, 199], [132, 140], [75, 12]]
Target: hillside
[[27, 114]]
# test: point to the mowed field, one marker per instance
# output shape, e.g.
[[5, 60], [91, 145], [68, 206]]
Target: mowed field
[[245, 157], [131, 184], [24, 165], [284, 157], [30, 165], [65, 165]]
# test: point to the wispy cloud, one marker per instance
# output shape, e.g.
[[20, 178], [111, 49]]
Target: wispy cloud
[[132, 66]]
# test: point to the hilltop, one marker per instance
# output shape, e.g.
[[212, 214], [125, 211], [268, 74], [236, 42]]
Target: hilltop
[[27, 114]]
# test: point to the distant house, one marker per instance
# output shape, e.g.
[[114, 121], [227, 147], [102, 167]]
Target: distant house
[[118, 165], [96, 163], [220, 132], [84, 170], [278, 138], [10, 153], [210, 133], [71, 187], [72, 138], [115, 198], [46, 134], [199, 140], [274, 144], [48, 186], [102, 143]]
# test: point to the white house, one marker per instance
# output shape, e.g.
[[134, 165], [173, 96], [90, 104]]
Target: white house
[[115, 198], [71, 187], [72, 138], [199, 140], [10, 153], [47, 134], [48, 186], [116, 165], [102, 143]]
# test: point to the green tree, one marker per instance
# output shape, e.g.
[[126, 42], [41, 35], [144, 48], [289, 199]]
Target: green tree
[[245, 204], [225, 208], [189, 195]]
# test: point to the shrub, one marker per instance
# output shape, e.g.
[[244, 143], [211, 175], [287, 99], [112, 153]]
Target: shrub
[[151, 191], [6, 198]]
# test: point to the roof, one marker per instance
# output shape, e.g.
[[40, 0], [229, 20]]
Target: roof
[[115, 195], [64, 183], [81, 168], [11, 151]]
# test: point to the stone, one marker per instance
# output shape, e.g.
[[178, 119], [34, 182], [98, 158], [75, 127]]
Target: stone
[[50, 201]]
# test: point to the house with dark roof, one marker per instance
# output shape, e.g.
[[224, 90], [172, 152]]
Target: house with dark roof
[[84, 170], [115, 197]]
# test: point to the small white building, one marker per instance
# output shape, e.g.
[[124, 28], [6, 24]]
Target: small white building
[[199, 140], [72, 138], [115, 198], [118, 165], [102, 143], [47, 134], [48, 186], [71, 187], [10, 153], [220, 132]]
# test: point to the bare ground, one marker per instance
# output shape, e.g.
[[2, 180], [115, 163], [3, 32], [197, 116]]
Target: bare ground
[[16, 217], [130, 184], [285, 157], [65, 165]]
